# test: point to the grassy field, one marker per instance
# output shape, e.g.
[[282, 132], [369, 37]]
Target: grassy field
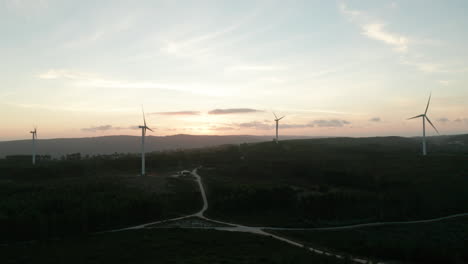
[[162, 246], [439, 242]]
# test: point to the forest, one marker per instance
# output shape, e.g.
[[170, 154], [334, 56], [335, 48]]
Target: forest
[[295, 183]]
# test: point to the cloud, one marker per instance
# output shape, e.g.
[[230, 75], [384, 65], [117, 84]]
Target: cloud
[[461, 120], [233, 111], [443, 120], [296, 125], [267, 126], [65, 74], [352, 14], [375, 119], [200, 46], [330, 123], [106, 128], [100, 128], [223, 128], [445, 82], [85, 79], [427, 67], [377, 31], [256, 125], [177, 113], [99, 32], [255, 68]]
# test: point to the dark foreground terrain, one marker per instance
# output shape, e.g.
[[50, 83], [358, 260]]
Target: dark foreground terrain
[[162, 246], [297, 183], [440, 242]]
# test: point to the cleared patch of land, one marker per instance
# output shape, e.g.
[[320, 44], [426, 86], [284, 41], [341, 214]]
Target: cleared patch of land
[[189, 222]]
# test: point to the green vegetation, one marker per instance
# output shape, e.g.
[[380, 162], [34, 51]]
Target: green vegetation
[[328, 182], [63, 198], [439, 242], [296, 183], [162, 246]]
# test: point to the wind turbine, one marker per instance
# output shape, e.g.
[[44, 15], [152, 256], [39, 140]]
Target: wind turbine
[[424, 118], [143, 133], [34, 137], [277, 121]]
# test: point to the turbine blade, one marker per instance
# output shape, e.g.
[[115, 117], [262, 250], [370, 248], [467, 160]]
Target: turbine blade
[[144, 119], [281, 118], [428, 101], [275, 115], [149, 129], [415, 117], [428, 120]]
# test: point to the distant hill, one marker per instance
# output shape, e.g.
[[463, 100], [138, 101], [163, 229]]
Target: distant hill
[[132, 144], [123, 144]]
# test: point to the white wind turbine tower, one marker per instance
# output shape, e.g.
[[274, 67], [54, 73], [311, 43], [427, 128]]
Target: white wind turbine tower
[[277, 121], [143, 133], [34, 137], [424, 118]]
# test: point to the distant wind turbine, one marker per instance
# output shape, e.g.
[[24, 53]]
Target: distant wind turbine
[[143, 133], [34, 137], [277, 121], [424, 118]]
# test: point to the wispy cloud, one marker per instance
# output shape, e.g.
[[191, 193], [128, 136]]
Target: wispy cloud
[[443, 120], [445, 82], [106, 128], [350, 13], [222, 128], [101, 32], [256, 125], [375, 119], [377, 31], [266, 125], [177, 113], [198, 47], [330, 123], [100, 128], [292, 126], [53, 74], [255, 68], [233, 111], [461, 120], [86, 79]]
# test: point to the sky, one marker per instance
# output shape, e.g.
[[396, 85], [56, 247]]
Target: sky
[[333, 68]]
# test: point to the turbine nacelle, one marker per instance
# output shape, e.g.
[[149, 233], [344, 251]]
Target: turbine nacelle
[[143, 133], [34, 132], [277, 122], [278, 119], [145, 127], [425, 117]]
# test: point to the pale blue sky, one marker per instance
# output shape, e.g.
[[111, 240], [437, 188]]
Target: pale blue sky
[[356, 68]]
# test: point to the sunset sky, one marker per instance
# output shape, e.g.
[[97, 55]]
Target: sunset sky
[[334, 68]]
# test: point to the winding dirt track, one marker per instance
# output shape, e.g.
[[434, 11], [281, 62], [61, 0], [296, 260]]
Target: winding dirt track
[[261, 230]]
